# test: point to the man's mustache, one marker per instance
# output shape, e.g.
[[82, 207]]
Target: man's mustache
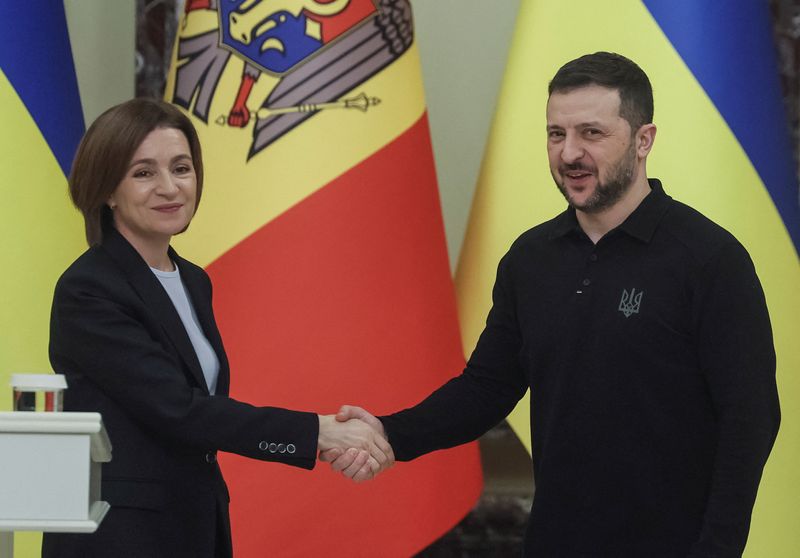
[[576, 167]]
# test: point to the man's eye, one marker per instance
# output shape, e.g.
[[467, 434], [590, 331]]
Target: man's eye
[[555, 134]]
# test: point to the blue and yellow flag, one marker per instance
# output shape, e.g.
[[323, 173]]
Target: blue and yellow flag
[[722, 147], [41, 123]]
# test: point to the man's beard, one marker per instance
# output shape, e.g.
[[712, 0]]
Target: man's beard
[[607, 192]]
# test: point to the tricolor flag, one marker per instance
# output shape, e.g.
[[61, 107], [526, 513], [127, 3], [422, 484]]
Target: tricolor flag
[[41, 123], [722, 147], [321, 228]]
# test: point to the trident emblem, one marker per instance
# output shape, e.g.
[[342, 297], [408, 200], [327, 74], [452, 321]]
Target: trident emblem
[[630, 302]]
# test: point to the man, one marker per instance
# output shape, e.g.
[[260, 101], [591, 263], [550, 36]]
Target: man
[[642, 331]]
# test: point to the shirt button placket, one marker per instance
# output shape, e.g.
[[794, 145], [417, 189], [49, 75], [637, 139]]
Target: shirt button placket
[[586, 280]]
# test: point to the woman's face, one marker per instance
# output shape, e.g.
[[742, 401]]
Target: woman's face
[[156, 198]]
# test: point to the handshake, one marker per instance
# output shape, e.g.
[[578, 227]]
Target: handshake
[[354, 443]]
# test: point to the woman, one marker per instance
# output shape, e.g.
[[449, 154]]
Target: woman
[[133, 330]]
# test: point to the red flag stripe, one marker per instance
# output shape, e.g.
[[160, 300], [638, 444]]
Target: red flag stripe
[[347, 298]]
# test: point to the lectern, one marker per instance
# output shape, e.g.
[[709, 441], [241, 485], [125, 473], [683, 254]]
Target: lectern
[[50, 474]]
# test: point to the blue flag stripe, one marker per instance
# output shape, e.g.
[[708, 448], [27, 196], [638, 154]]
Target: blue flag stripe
[[730, 49], [37, 60]]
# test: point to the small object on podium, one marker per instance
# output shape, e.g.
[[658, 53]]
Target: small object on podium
[[38, 392]]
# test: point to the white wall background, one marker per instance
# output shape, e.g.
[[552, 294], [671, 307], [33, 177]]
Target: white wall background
[[103, 37], [463, 46]]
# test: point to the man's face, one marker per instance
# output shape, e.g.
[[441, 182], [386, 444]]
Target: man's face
[[592, 154]]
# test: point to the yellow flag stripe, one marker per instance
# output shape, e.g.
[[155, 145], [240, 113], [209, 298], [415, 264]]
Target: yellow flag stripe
[[41, 235]]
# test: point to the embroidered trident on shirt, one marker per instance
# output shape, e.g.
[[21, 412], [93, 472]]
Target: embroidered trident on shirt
[[630, 302]]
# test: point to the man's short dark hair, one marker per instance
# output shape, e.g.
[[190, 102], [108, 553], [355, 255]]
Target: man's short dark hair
[[613, 71]]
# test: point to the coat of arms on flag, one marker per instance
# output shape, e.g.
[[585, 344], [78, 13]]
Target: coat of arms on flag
[[314, 51]]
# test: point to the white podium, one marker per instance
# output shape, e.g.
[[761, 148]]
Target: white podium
[[50, 474]]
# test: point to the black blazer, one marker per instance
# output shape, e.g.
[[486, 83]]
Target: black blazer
[[117, 337]]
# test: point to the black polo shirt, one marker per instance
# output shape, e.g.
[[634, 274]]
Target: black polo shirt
[[652, 372]]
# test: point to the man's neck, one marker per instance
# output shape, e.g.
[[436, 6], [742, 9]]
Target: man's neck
[[596, 225]]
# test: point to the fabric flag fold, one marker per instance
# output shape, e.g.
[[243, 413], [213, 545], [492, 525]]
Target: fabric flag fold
[[322, 231], [722, 147]]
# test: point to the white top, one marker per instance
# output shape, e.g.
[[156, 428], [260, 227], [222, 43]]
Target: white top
[[171, 280]]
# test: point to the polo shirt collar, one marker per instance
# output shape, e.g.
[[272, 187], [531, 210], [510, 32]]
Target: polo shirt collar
[[641, 224], [565, 223], [644, 220]]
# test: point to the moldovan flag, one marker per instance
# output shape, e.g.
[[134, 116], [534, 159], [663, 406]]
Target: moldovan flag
[[321, 228], [722, 147], [41, 123]]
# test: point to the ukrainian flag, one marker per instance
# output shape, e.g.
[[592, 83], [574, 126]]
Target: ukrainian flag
[[41, 123], [722, 147]]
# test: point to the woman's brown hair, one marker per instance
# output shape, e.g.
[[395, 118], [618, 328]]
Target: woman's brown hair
[[106, 151]]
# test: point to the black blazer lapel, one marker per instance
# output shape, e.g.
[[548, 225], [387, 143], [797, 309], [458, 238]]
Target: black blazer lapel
[[199, 289], [155, 298]]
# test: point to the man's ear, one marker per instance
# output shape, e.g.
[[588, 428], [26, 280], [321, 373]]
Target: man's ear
[[645, 137]]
